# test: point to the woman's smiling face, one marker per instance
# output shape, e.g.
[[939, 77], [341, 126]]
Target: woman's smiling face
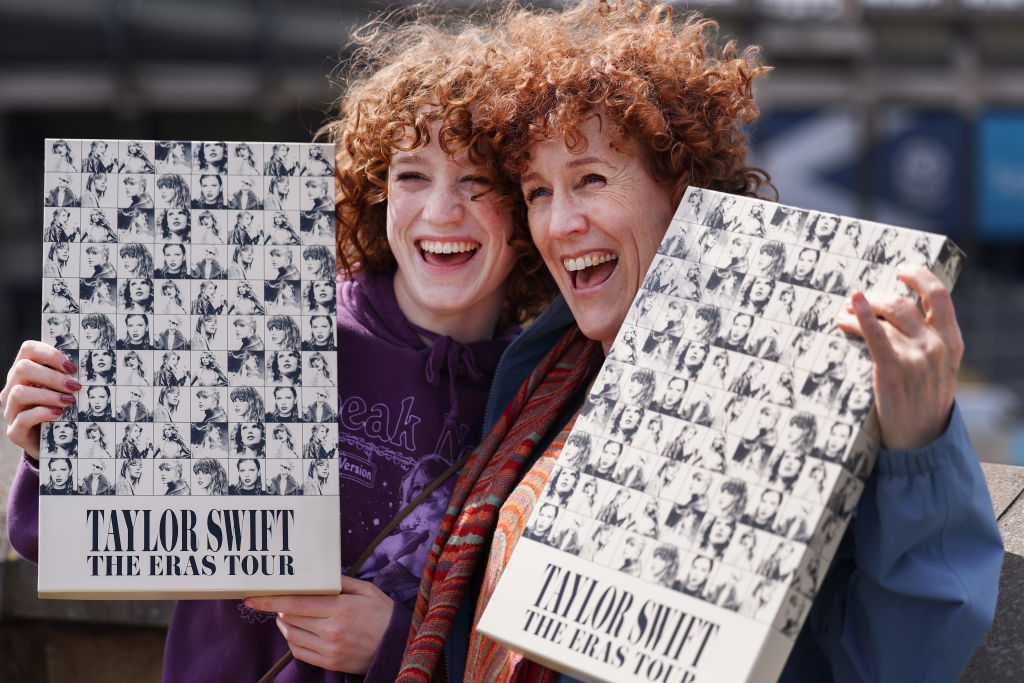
[[597, 218]]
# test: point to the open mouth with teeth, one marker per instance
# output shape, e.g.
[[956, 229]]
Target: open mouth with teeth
[[437, 253], [590, 270]]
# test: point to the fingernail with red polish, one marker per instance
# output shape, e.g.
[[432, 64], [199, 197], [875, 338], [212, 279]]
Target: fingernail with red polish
[[67, 399], [69, 367], [72, 385]]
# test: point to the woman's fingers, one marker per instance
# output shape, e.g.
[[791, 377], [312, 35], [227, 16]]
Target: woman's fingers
[[23, 431], [936, 303]]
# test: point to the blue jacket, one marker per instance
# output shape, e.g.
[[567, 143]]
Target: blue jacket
[[912, 588]]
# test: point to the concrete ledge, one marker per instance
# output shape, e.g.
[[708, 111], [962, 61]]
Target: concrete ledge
[[1000, 656], [57, 640]]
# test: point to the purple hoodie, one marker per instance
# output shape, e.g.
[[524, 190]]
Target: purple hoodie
[[404, 416]]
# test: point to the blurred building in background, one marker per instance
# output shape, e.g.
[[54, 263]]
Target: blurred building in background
[[902, 111]]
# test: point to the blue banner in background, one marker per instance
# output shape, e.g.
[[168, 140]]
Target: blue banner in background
[[813, 156], [919, 179], [1000, 176]]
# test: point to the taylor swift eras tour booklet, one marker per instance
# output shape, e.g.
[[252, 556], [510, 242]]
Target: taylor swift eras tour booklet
[[192, 283], [702, 493]]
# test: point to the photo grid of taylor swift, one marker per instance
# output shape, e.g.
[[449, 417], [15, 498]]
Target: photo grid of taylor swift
[[192, 283], [725, 442]]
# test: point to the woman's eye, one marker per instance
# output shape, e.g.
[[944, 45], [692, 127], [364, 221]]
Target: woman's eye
[[536, 193], [591, 178], [410, 175], [476, 179]]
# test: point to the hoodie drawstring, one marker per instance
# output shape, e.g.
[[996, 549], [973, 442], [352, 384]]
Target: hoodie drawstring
[[459, 360]]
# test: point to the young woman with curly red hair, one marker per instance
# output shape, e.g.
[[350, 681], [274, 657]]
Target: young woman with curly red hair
[[437, 271]]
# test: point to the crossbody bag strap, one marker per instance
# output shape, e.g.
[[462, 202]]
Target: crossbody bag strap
[[388, 528]]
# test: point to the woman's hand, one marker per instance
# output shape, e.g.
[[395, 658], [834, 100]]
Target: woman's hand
[[37, 390], [335, 632], [916, 357]]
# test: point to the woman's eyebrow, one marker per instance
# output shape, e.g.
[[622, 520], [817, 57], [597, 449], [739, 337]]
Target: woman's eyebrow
[[581, 161]]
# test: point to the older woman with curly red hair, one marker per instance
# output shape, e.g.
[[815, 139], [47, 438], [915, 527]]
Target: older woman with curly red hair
[[437, 273], [609, 111]]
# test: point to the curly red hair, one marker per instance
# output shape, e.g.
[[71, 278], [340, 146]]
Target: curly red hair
[[406, 74], [662, 83]]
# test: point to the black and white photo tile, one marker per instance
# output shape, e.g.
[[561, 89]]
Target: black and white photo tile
[[725, 443], [192, 283]]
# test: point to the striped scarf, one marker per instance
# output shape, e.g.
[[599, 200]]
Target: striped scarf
[[484, 485]]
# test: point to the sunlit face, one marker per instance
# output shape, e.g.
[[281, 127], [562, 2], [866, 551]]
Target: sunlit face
[[60, 472], [251, 434], [603, 208], [449, 237], [287, 361], [284, 400], [248, 471]]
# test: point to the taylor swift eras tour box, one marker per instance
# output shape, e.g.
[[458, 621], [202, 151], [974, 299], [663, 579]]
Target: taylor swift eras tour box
[[702, 493], [193, 285]]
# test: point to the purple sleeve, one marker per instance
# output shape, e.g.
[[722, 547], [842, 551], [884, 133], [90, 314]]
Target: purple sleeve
[[23, 510], [386, 663]]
